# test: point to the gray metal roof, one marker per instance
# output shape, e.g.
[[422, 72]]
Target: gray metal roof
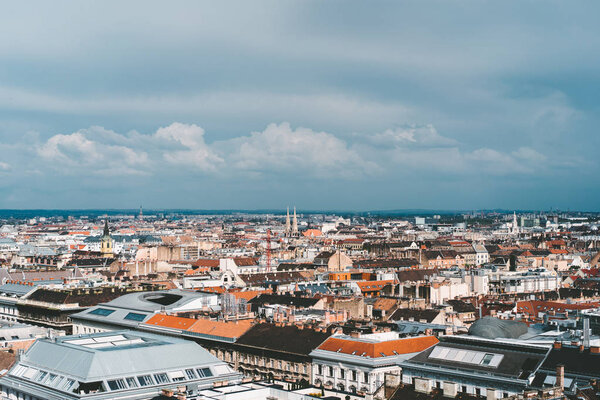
[[16, 289], [152, 302], [108, 355]]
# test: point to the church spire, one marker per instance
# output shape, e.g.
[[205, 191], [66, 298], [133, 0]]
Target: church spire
[[106, 230], [287, 222]]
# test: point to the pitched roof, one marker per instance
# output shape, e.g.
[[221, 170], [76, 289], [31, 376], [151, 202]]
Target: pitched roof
[[224, 329], [415, 314], [229, 329], [170, 321], [378, 349], [372, 286], [289, 339], [288, 300]]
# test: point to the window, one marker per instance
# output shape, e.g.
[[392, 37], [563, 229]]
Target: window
[[68, 384], [190, 373], [319, 370], [330, 371], [176, 376], [131, 382], [487, 359], [366, 376], [145, 380], [103, 312], [342, 373], [353, 375], [161, 378], [116, 384], [29, 373], [204, 372], [135, 317], [51, 379], [19, 370], [40, 376]]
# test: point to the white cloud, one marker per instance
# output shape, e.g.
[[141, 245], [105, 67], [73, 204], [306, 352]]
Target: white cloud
[[191, 137], [278, 151], [73, 152], [279, 148], [418, 135]]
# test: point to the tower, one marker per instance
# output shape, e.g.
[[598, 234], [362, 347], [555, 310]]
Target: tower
[[295, 224], [106, 247], [141, 216], [287, 223], [515, 225]]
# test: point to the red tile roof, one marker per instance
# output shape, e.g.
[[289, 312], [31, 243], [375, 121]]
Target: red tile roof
[[372, 286], [169, 321], [381, 349]]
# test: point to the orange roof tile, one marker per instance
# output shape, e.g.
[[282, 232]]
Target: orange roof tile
[[369, 286], [312, 232], [381, 349], [206, 262], [559, 251], [249, 294], [169, 321], [230, 329]]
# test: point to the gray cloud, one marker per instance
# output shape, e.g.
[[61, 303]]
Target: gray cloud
[[397, 102]]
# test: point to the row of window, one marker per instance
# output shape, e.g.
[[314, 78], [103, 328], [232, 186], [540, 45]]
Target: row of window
[[43, 377], [160, 378], [272, 363], [353, 374], [66, 384]]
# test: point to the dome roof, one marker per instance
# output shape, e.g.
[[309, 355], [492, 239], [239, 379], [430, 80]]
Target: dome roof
[[493, 328]]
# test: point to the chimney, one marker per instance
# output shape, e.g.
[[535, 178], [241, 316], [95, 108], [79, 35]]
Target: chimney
[[355, 334], [557, 344], [560, 376]]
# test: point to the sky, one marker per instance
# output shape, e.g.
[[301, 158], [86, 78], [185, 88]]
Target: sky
[[346, 105]]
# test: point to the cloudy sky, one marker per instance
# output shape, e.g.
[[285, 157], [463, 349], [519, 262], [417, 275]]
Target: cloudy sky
[[323, 105]]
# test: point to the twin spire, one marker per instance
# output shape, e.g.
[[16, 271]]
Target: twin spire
[[291, 229]]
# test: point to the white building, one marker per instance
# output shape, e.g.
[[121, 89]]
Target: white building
[[360, 363]]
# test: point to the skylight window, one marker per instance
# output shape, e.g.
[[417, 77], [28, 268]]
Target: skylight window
[[487, 359], [103, 312], [135, 317], [466, 356]]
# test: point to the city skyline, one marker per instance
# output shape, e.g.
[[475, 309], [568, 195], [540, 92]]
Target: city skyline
[[231, 106]]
